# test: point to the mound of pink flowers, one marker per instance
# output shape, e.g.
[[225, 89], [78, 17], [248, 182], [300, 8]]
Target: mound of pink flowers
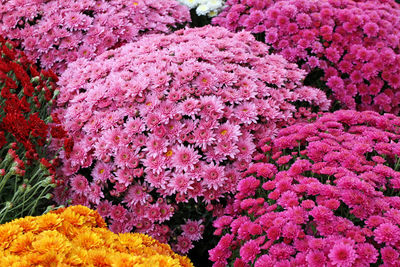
[[354, 43], [325, 195], [172, 119], [58, 32]]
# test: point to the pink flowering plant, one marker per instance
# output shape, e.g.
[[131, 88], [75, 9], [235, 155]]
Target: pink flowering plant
[[167, 124], [326, 194], [350, 48], [59, 32]]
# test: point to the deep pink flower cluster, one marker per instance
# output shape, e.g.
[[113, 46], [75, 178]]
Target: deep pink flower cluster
[[59, 32], [172, 118], [246, 15], [355, 43], [331, 199]]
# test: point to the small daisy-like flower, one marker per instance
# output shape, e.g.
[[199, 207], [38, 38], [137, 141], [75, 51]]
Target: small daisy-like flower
[[213, 176], [153, 213], [189, 107], [211, 106], [228, 131], [104, 208], [156, 145], [136, 194], [193, 229], [118, 213], [184, 158], [154, 164], [227, 148], [79, 184], [180, 183], [184, 244], [101, 172], [203, 137], [246, 113]]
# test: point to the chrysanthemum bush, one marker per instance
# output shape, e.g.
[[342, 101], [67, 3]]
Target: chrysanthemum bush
[[26, 170], [78, 236], [350, 47], [326, 194], [58, 32], [170, 120], [208, 8]]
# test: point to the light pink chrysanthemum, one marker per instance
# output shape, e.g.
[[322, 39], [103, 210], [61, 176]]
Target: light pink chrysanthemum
[[136, 194], [101, 172], [184, 158], [213, 176], [181, 183]]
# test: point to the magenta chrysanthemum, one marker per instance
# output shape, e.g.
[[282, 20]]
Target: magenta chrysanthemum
[[321, 195], [343, 255]]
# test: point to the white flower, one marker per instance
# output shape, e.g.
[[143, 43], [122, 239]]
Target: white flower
[[190, 3], [204, 7], [202, 10]]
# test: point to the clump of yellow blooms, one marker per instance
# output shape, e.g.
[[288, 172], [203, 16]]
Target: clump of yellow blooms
[[78, 236]]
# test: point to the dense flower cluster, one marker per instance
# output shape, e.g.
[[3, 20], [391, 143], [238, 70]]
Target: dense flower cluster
[[330, 199], [246, 15], [354, 43], [204, 7], [26, 175], [59, 32], [172, 117], [77, 236]]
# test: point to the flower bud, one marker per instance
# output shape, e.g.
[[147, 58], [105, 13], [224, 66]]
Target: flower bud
[[48, 196], [35, 80]]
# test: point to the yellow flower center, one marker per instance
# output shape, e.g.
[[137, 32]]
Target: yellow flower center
[[101, 171], [223, 132], [169, 153]]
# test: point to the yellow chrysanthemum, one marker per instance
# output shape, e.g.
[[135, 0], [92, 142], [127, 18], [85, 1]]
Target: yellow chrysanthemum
[[126, 260], [28, 224], [77, 236], [185, 261], [131, 241], [50, 258], [69, 230], [48, 221], [88, 240], [162, 260], [9, 260], [22, 244], [77, 257], [51, 241], [99, 257], [74, 218], [8, 232]]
